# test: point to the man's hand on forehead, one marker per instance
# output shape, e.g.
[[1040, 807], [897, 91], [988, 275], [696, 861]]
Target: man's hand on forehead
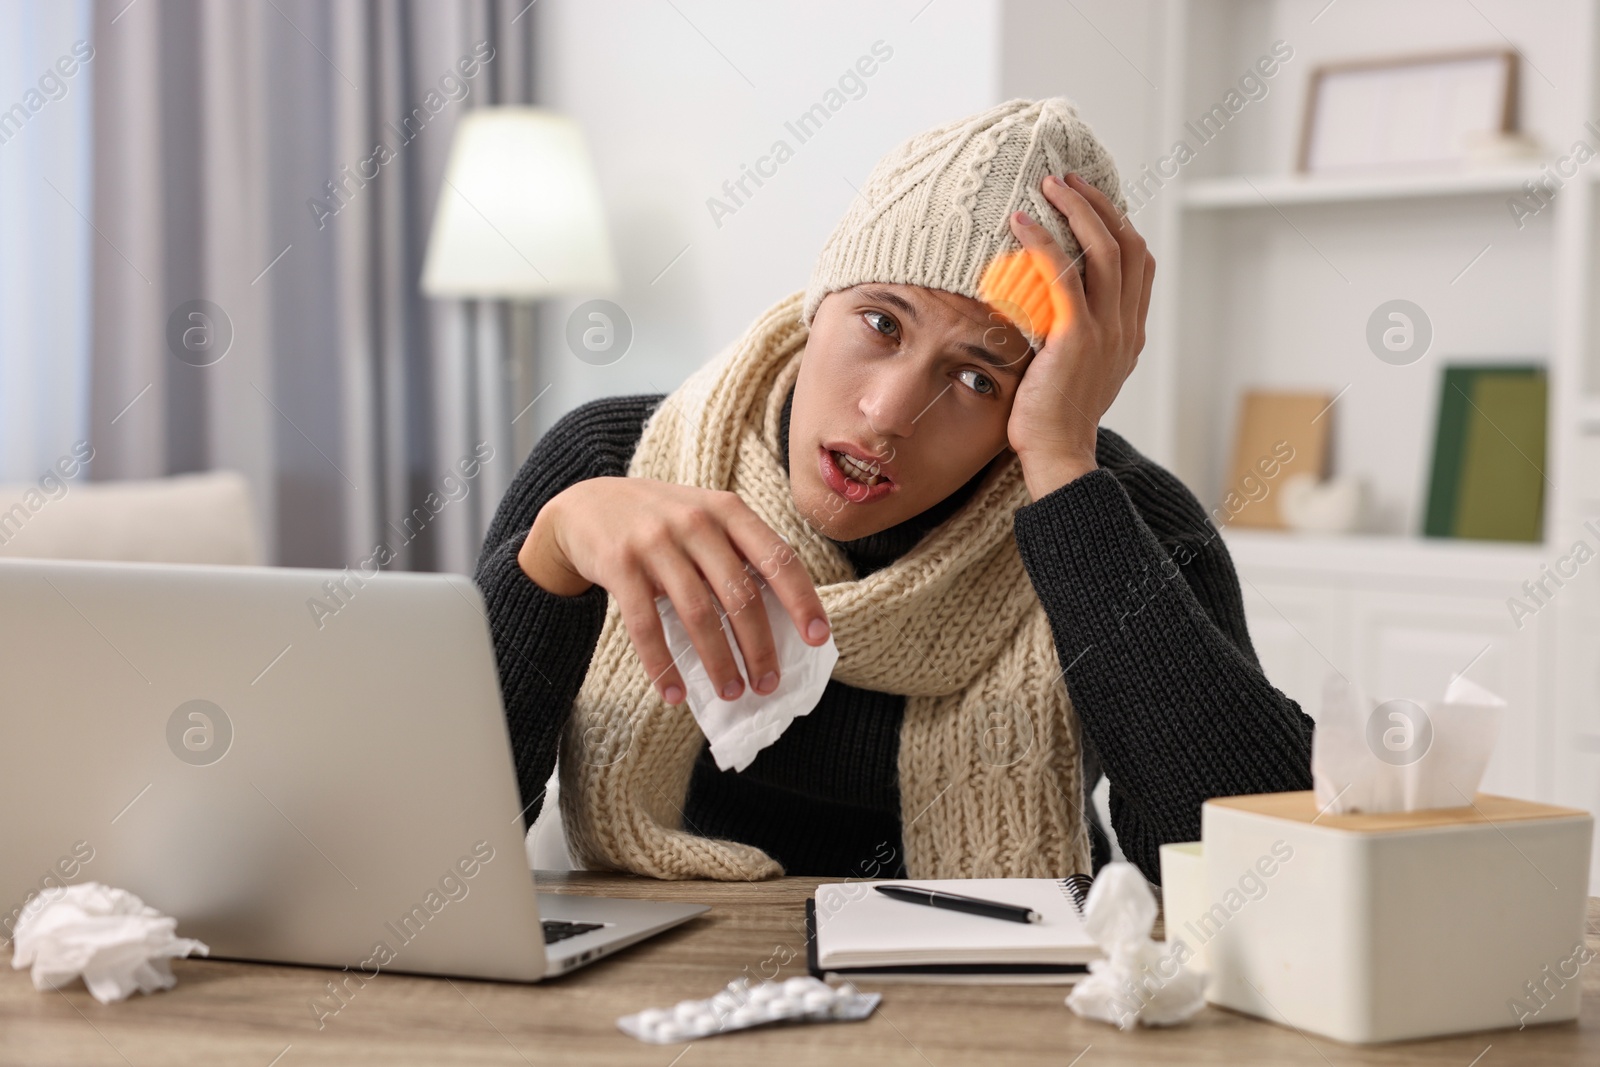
[[1097, 305]]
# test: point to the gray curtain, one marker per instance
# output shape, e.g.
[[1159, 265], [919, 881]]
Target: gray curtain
[[265, 176]]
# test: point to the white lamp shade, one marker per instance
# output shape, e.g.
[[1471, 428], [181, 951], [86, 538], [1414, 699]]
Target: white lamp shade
[[519, 212]]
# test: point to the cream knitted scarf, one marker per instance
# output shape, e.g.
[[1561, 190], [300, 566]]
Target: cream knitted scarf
[[990, 770]]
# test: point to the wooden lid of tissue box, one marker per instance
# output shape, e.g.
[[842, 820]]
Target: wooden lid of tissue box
[[1486, 809]]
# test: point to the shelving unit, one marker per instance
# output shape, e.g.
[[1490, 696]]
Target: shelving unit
[[1273, 190], [1589, 416], [1269, 279], [1392, 562]]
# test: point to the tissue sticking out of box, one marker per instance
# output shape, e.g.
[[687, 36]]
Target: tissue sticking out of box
[[742, 727], [1401, 754], [110, 937]]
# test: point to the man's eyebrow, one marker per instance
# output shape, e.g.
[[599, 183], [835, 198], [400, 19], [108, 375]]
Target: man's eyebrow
[[998, 362], [889, 297]]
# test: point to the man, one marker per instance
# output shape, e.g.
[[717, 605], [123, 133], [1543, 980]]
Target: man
[[1019, 598]]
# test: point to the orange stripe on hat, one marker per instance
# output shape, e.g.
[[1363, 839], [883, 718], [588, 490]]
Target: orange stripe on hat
[[1014, 284]]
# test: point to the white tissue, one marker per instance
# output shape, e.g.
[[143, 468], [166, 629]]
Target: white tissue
[[113, 939], [1402, 755], [1140, 980], [738, 729]]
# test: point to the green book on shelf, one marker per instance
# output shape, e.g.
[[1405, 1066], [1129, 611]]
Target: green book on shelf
[[1489, 454]]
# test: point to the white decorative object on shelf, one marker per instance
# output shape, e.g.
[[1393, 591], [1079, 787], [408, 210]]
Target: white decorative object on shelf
[[1312, 506]]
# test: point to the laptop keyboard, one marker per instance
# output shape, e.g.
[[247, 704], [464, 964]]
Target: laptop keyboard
[[555, 930]]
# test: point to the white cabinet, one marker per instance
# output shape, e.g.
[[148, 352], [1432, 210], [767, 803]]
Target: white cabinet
[[1416, 645], [1576, 672], [1301, 634], [1398, 619]]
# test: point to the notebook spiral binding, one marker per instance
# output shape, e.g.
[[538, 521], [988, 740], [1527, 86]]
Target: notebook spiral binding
[[1075, 888]]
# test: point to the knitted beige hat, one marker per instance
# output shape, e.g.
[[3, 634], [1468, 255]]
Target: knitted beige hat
[[936, 209]]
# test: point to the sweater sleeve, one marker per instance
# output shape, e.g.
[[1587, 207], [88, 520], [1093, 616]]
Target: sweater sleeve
[[543, 642], [1161, 671]]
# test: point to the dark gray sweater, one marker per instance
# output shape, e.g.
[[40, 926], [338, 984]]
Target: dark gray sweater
[[1142, 599]]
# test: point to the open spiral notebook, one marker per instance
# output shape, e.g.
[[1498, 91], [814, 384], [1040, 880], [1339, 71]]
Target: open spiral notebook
[[855, 932]]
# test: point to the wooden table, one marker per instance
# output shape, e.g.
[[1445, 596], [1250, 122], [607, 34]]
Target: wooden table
[[259, 1016]]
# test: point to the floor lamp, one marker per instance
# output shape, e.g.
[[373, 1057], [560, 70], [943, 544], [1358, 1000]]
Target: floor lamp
[[519, 219]]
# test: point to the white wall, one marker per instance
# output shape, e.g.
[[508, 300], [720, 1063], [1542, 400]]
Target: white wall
[[1106, 56], [674, 98]]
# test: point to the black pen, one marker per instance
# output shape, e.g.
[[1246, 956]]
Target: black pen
[[935, 898]]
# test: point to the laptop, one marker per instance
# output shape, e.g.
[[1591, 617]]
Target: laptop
[[300, 766]]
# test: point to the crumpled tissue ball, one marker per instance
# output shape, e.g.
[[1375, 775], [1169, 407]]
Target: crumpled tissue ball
[[1139, 981], [116, 942]]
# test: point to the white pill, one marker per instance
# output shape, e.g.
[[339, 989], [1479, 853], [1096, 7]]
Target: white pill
[[764, 993], [799, 986], [816, 999], [706, 1022], [669, 1031], [653, 1017], [688, 1009], [746, 1015]]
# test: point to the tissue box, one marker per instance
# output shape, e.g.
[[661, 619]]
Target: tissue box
[[1383, 927]]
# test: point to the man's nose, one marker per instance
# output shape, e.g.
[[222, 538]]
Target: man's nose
[[896, 396]]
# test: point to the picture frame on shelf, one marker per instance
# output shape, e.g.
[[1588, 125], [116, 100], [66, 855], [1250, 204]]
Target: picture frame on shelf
[[1488, 475], [1277, 435], [1408, 112]]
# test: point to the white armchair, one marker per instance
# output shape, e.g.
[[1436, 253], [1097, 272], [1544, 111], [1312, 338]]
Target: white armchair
[[187, 518]]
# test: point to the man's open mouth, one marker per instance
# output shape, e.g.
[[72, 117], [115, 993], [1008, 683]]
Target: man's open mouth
[[856, 470]]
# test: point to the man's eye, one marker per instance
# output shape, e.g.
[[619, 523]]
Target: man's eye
[[984, 386], [874, 318]]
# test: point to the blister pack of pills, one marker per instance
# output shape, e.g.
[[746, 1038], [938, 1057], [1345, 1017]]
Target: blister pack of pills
[[742, 1005]]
